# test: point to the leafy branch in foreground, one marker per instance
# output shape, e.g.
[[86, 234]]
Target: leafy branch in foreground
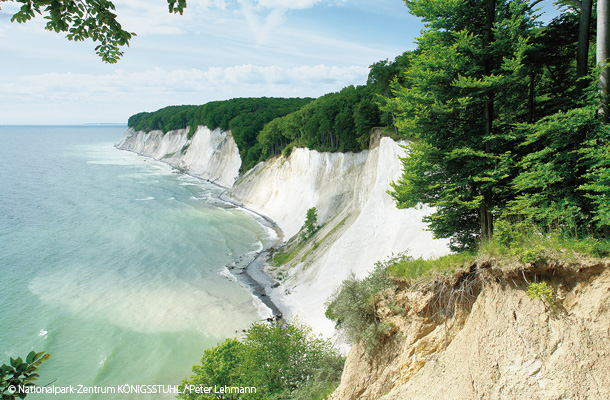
[[19, 375], [85, 19]]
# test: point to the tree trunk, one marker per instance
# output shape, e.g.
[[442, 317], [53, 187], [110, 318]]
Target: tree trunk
[[486, 217], [531, 98], [485, 207], [584, 34], [603, 52]]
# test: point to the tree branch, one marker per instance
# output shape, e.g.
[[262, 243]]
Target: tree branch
[[575, 3]]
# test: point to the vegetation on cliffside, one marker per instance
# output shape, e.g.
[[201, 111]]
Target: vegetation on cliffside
[[519, 251], [266, 127]]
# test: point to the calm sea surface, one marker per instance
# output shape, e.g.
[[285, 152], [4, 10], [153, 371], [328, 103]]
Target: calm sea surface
[[113, 263]]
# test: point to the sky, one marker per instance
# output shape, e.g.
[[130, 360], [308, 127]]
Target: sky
[[216, 50]]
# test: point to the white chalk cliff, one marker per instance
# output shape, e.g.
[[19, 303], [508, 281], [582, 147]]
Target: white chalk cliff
[[211, 155], [361, 224]]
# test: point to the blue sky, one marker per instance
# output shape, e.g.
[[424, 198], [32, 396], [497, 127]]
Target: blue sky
[[217, 50]]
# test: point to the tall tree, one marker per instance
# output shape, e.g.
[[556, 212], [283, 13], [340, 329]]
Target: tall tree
[[585, 9], [486, 202], [464, 91]]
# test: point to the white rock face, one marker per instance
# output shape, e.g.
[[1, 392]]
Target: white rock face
[[350, 186], [212, 155], [284, 189]]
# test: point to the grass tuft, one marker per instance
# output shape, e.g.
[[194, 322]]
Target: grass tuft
[[409, 268]]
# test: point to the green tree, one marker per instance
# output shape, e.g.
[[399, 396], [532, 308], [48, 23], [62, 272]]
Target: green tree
[[382, 76], [19, 375], [584, 8], [311, 223], [283, 361], [552, 175], [597, 186], [280, 358], [85, 19], [463, 93]]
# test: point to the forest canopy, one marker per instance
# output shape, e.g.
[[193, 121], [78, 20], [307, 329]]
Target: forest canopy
[[265, 127]]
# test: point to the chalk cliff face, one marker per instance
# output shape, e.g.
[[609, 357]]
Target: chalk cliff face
[[212, 155], [361, 224]]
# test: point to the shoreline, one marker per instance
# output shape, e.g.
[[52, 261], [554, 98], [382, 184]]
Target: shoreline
[[252, 276]]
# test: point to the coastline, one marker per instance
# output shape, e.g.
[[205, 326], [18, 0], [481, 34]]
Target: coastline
[[252, 276], [349, 189]]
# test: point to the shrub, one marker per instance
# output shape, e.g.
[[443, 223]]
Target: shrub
[[352, 308], [542, 291]]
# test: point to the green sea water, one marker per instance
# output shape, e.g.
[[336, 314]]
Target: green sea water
[[113, 263]]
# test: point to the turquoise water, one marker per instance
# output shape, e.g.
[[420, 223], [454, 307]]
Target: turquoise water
[[113, 263]]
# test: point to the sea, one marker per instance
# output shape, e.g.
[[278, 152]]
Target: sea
[[114, 264]]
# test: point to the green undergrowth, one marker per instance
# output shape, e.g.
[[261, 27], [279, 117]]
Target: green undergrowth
[[513, 242], [353, 307], [528, 244], [286, 254]]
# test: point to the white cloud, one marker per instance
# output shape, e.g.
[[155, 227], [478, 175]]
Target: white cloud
[[75, 85], [115, 96], [286, 4], [263, 16], [260, 24]]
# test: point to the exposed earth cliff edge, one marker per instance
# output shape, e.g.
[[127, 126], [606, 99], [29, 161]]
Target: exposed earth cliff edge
[[477, 334]]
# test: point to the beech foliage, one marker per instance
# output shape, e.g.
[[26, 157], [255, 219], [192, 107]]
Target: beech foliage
[[501, 121]]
